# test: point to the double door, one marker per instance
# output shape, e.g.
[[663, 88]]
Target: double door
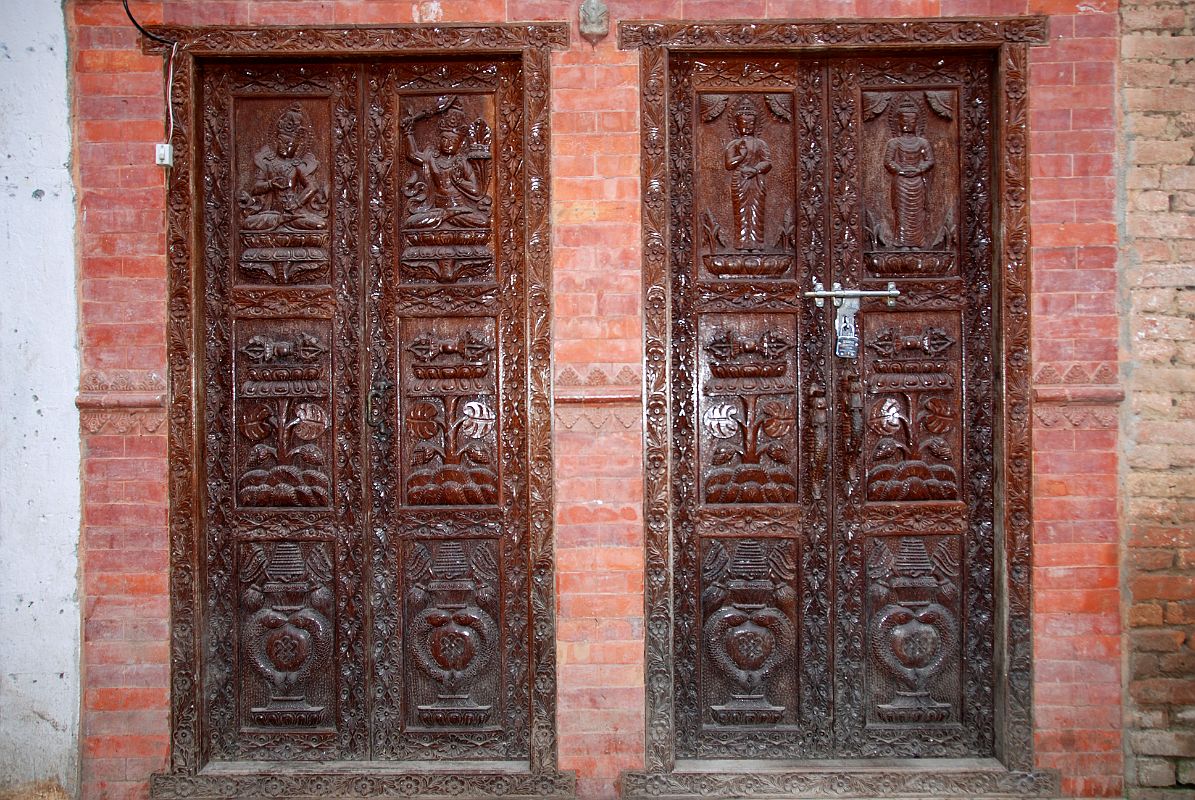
[[366, 510], [833, 396]]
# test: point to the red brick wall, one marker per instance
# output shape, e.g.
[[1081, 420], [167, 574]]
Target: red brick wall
[[1158, 254], [118, 115]]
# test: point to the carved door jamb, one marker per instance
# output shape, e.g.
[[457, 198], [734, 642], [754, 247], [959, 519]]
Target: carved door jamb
[[189, 774], [1012, 772]]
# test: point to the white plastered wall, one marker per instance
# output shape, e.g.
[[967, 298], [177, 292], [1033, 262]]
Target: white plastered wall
[[39, 429]]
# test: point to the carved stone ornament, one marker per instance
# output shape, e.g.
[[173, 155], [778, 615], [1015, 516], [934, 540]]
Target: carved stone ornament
[[594, 21], [359, 424], [827, 577]]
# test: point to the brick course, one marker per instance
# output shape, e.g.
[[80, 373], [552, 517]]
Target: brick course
[[595, 167], [1159, 479]]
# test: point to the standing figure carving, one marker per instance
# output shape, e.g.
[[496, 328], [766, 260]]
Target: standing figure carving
[[449, 187], [909, 156], [284, 193], [749, 160]]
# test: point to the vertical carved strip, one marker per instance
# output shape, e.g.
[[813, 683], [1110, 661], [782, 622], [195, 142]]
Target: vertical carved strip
[[979, 455], [1014, 306], [816, 676], [683, 349], [846, 258], [659, 754], [215, 551], [536, 65], [386, 588], [186, 755], [352, 731]]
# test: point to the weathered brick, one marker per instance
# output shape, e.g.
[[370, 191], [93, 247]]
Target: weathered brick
[[1163, 743]]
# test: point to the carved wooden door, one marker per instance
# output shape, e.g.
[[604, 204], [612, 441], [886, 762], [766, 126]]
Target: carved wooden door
[[365, 434], [833, 483]]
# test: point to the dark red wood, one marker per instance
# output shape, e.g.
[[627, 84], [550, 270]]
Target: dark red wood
[[369, 574]]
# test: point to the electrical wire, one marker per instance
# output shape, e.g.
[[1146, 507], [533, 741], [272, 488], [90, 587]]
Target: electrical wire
[[170, 94], [144, 32]]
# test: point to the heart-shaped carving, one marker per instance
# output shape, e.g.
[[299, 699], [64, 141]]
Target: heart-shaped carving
[[750, 645], [913, 645], [288, 648], [454, 646]]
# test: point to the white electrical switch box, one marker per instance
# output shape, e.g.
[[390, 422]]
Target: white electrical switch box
[[164, 155]]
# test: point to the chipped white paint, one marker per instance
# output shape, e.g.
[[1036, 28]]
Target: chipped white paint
[[39, 430], [429, 11]]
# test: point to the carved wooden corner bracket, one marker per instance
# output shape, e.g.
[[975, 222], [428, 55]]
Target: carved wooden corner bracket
[[121, 402], [1010, 772]]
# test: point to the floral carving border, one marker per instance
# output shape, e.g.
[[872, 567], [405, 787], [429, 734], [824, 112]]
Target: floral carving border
[[1012, 773], [189, 774]]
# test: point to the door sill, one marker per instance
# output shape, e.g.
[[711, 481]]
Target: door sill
[[289, 780], [971, 778]]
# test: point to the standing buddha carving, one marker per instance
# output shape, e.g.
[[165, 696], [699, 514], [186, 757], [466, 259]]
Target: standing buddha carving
[[749, 160], [909, 156]]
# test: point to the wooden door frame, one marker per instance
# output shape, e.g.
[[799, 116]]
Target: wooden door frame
[[1012, 772], [189, 775]]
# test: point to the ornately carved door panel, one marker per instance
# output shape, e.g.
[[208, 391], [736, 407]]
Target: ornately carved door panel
[[366, 552], [833, 461]]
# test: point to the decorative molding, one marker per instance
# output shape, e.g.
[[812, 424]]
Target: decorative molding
[[366, 782], [1079, 385], [1014, 774], [596, 376], [1099, 417], [594, 417], [339, 41], [121, 402], [1096, 395], [915, 783], [843, 34]]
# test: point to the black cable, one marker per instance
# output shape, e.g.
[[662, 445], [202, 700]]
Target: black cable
[[144, 32]]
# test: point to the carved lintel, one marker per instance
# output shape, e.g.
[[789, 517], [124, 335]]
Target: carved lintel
[[1090, 395], [223, 41], [963, 31]]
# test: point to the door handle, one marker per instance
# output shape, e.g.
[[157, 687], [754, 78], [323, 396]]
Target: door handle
[[838, 294], [846, 335]]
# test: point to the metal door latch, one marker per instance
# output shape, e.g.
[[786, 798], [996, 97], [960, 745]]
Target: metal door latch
[[846, 335]]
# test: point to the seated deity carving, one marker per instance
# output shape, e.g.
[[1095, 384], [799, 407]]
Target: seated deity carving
[[448, 188], [285, 194]]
